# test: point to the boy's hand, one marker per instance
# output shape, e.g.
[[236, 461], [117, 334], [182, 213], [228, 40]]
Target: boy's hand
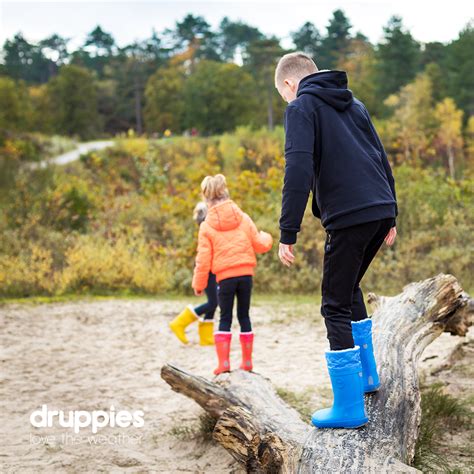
[[285, 253], [198, 293], [390, 238]]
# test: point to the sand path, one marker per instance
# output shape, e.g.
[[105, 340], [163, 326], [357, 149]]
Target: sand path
[[91, 355]]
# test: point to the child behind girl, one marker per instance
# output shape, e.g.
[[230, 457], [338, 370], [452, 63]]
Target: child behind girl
[[190, 313], [227, 243]]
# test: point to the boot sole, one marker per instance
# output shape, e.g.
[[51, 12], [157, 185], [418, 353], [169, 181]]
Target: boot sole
[[342, 424]]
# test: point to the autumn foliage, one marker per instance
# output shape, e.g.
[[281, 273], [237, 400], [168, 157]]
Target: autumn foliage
[[121, 220]]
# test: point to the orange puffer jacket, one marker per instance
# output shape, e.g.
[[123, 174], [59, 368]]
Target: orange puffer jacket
[[227, 243]]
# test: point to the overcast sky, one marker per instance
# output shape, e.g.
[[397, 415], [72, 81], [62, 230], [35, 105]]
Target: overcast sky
[[129, 20]]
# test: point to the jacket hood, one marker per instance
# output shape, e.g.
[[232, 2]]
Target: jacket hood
[[224, 216], [329, 86]]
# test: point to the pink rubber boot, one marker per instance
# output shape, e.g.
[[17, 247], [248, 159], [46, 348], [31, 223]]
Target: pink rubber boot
[[222, 341], [246, 342]]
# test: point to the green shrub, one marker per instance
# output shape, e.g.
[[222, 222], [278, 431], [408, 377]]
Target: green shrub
[[131, 208]]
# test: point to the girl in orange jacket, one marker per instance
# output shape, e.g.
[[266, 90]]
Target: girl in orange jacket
[[228, 242]]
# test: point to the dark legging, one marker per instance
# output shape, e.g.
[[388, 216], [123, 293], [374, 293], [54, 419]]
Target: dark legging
[[209, 307], [227, 289]]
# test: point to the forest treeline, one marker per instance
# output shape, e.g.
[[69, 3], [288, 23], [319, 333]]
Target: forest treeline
[[193, 77]]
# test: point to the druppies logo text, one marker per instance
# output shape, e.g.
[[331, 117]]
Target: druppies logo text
[[79, 419]]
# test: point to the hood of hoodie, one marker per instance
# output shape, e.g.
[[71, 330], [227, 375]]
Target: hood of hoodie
[[224, 216], [329, 86]]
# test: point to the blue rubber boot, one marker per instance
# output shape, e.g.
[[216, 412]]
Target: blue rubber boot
[[348, 410], [362, 333]]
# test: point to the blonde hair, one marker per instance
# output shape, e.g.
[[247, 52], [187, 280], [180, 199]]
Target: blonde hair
[[214, 188], [294, 65]]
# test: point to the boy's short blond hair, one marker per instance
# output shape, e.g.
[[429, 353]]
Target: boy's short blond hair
[[294, 65]]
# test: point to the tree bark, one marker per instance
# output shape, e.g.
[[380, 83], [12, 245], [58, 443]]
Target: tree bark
[[270, 101], [451, 162], [138, 105], [266, 435]]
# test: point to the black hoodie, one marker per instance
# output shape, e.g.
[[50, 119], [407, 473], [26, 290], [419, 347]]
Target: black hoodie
[[332, 149]]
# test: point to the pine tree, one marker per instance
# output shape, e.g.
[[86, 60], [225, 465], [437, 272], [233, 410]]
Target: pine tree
[[398, 59], [335, 43], [308, 40]]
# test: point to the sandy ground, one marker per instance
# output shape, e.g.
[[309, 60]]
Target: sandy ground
[[91, 355]]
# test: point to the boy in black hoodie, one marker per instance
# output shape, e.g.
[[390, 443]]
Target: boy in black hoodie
[[333, 150]]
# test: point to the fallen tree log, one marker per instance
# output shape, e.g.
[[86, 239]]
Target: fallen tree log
[[266, 435]]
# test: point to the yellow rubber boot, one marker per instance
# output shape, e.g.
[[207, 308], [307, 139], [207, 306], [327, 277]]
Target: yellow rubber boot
[[181, 322], [206, 333]]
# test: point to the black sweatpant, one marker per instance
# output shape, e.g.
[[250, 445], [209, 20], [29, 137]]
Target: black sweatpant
[[347, 255], [227, 289]]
